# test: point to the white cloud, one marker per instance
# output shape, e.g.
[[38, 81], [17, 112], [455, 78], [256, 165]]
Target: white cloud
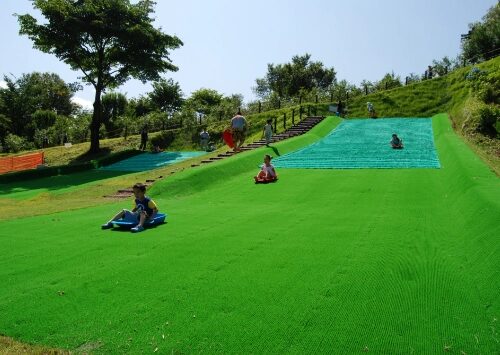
[[85, 104], [3, 84]]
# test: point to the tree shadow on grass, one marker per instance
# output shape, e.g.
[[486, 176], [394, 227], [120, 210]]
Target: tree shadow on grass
[[54, 183], [275, 150], [88, 156]]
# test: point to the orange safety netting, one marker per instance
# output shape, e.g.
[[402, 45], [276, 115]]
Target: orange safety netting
[[22, 162]]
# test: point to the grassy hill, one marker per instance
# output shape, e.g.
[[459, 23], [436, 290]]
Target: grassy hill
[[448, 94], [324, 261]]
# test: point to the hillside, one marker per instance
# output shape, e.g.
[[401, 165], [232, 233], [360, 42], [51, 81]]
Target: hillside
[[323, 261], [450, 94]]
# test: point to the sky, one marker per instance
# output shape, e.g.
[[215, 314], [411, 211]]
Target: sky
[[228, 43]]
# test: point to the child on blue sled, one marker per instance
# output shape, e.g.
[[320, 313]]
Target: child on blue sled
[[145, 210], [396, 142]]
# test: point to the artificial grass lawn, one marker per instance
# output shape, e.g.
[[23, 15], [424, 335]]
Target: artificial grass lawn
[[323, 261]]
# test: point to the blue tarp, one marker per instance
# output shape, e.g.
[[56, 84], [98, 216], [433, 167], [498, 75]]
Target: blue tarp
[[365, 143], [150, 161]]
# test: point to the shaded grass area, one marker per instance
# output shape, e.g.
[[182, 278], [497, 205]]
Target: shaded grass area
[[336, 261], [26, 189]]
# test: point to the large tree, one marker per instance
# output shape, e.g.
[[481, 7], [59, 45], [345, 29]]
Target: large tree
[[109, 41], [291, 79]]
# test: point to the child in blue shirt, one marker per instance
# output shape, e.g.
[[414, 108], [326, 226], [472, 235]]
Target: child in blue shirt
[[144, 210]]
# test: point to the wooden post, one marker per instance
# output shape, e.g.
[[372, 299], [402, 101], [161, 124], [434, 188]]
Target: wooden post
[[284, 120], [293, 116], [275, 124], [260, 107]]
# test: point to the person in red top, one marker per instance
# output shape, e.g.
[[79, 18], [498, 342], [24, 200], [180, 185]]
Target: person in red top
[[144, 210]]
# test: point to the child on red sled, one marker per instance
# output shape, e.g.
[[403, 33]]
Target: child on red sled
[[267, 173]]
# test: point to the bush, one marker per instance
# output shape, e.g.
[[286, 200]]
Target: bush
[[163, 140], [480, 117], [489, 115], [14, 144], [485, 85]]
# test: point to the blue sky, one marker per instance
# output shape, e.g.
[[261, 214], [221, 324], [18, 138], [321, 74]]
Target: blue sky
[[228, 43]]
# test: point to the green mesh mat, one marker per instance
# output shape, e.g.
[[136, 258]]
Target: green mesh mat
[[365, 143], [150, 161]]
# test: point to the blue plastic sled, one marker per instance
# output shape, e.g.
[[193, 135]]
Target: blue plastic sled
[[159, 219]]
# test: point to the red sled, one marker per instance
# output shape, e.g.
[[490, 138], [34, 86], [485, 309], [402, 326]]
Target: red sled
[[227, 135], [263, 180]]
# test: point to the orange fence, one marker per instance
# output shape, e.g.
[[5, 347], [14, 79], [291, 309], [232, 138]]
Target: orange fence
[[22, 162]]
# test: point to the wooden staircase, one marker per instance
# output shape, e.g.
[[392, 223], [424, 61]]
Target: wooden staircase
[[296, 130]]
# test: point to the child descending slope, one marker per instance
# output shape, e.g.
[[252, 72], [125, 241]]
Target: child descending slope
[[396, 142], [267, 173], [144, 210]]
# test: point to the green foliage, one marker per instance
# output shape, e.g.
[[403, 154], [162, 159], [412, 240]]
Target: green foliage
[[485, 85], [141, 106], [480, 117], [166, 96], [43, 119], [483, 42], [4, 125], [443, 66], [163, 139], [34, 92], [14, 144], [109, 41], [489, 117], [413, 78], [204, 101], [79, 128], [290, 80], [114, 105], [389, 81]]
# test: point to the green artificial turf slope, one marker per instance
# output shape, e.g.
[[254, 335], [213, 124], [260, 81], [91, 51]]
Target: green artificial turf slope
[[323, 261]]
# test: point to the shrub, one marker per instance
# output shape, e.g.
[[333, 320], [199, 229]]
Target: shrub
[[163, 140], [14, 144], [480, 117], [489, 115]]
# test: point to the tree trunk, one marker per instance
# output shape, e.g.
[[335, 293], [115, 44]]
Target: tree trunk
[[95, 125]]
